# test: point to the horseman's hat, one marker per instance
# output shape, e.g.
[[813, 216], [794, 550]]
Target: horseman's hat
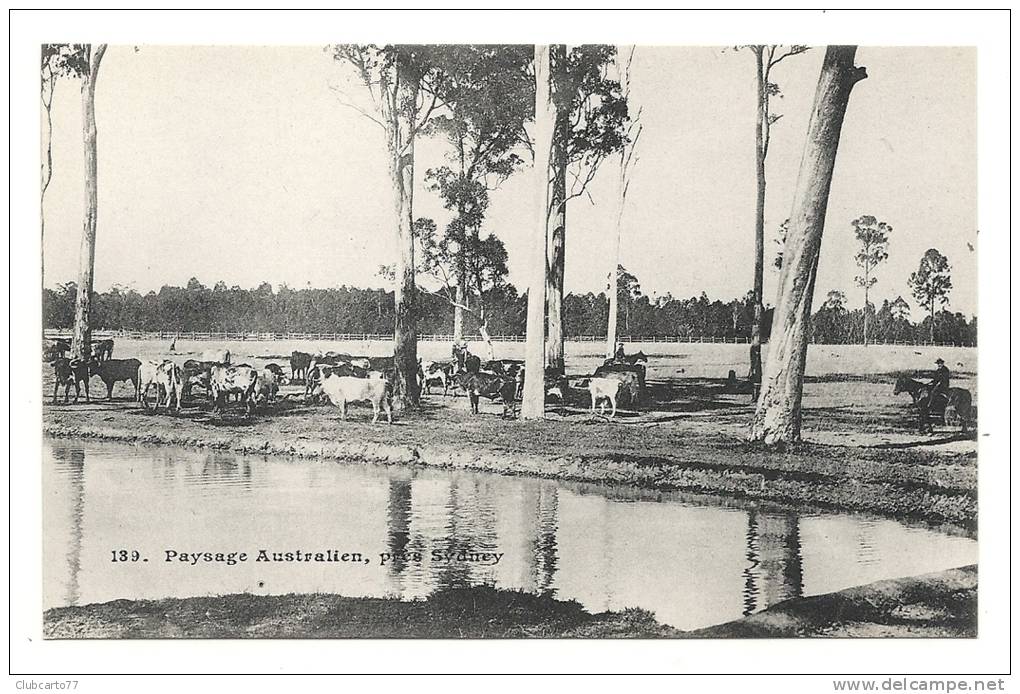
[[940, 361]]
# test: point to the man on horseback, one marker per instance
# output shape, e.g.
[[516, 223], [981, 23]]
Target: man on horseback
[[938, 388]]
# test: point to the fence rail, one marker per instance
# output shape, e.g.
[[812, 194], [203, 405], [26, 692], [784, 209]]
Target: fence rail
[[365, 337]]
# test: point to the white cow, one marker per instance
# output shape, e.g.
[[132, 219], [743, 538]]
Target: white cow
[[344, 389], [603, 389], [167, 378]]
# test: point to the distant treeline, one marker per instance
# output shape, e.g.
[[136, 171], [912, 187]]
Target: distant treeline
[[353, 310]]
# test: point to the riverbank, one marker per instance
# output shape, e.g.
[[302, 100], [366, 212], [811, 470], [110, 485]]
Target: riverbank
[[942, 604], [700, 449]]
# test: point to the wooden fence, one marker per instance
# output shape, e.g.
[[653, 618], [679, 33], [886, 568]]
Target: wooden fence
[[363, 337]]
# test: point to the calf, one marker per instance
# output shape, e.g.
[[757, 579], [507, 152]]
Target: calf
[[70, 372], [167, 378], [630, 382], [604, 389], [436, 372], [277, 372], [241, 380], [344, 389], [102, 350], [267, 386], [113, 370], [195, 373], [299, 363]]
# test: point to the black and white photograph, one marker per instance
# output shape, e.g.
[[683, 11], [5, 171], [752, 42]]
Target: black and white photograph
[[508, 340]]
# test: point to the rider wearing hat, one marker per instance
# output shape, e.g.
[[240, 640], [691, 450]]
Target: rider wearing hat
[[939, 385]]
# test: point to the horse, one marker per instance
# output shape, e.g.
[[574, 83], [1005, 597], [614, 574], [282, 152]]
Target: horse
[[956, 410], [629, 359]]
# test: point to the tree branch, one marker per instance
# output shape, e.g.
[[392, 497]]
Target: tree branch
[[342, 98]]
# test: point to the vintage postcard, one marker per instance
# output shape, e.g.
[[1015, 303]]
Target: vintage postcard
[[506, 340]]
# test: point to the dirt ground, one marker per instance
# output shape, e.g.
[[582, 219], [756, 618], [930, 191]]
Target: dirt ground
[[861, 449], [942, 604]]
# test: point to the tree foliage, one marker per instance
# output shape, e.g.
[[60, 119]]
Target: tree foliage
[[597, 108], [873, 237]]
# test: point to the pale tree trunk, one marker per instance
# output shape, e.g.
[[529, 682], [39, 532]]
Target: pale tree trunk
[[557, 238], [533, 402], [81, 339], [401, 148], [48, 81], [755, 373], [613, 293], [462, 279], [777, 418], [483, 329]]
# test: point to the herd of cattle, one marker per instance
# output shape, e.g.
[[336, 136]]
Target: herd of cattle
[[337, 377]]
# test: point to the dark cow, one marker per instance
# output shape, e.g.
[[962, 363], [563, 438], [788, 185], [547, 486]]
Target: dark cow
[[68, 373], [631, 381], [113, 370], [507, 367], [55, 349], [102, 350], [380, 363], [242, 380], [299, 363], [195, 373], [277, 371], [466, 362], [480, 384]]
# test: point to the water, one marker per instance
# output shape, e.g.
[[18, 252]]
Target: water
[[692, 561]]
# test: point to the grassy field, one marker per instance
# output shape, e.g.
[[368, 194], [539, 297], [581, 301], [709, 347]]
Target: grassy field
[[666, 360], [861, 451]]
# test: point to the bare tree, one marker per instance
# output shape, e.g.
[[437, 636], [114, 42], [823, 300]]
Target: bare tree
[[400, 84], [777, 418], [766, 57], [533, 402], [628, 160], [81, 338]]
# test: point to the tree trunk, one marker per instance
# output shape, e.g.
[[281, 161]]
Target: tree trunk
[[614, 296], [483, 329], [458, 311], [81, 339], [401, 147], [865, 308], [755, 373], [777, 418], [557, 241], [462, 279], [931, 325], [533, 403]]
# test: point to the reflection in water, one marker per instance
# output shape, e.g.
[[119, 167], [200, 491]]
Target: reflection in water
[[71, 463], [693, 562]]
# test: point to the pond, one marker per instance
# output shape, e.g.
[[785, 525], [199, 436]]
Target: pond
[[137, 522]]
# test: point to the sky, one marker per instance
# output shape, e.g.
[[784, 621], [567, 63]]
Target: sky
[[241, 164]]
